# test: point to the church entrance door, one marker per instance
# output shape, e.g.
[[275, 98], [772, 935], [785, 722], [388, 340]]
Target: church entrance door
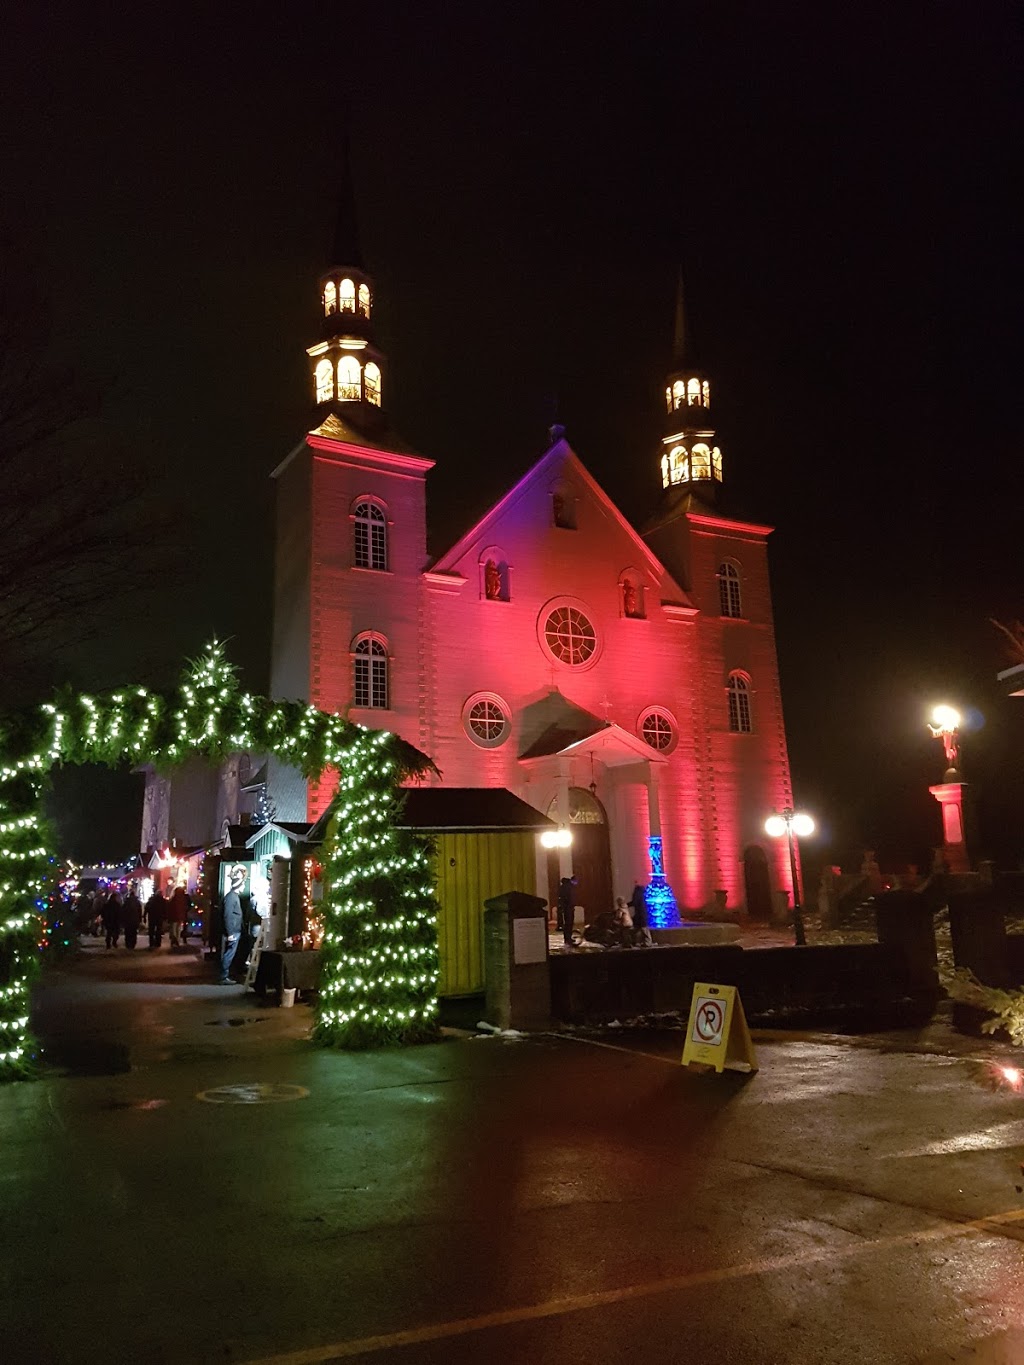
[[591, 854], [757, 883]]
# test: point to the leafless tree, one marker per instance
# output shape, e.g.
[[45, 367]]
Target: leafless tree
[[69, 528]]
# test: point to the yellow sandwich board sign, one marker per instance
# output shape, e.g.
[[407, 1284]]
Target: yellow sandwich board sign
[[716, 1031]]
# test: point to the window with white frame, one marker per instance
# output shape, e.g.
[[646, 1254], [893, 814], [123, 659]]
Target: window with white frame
[[486, 718], [330, 298], [364, 300], [739, 704], [729, 601], [370, 536], [347, 296], [371, 378], [657, 729], [370, 683], [324, 378], [349, 387]]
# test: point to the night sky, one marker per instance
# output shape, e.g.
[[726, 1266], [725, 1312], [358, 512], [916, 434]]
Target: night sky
[[837, 183]]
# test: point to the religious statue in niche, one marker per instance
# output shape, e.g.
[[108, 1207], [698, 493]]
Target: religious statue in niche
[[492, 581], [630, 599]]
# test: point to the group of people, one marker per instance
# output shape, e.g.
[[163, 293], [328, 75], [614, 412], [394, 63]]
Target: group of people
[[116, 914], [624, 927]]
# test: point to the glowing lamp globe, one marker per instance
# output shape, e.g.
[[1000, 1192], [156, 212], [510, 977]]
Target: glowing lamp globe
[[946, 717], [775, 826], [803, 825]]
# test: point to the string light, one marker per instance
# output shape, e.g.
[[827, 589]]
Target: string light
[[379, 958]]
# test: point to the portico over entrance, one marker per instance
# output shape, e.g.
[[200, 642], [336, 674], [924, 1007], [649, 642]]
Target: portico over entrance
[[601, 783]]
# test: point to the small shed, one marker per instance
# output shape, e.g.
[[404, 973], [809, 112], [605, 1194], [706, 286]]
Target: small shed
[[486, 843]]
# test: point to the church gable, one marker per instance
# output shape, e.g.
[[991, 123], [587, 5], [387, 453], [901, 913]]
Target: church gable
[[557, 531]]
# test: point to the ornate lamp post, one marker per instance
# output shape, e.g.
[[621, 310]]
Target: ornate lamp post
[[945, 725], [792, 824]]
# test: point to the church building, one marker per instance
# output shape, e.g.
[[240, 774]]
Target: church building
[[621, 680]]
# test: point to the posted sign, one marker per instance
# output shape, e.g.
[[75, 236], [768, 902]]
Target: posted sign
[[716, 1031]]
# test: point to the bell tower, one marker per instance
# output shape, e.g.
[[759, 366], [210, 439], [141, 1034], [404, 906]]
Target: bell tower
[[690, 460], [346, 368]]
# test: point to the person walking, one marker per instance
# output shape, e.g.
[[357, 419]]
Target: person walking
[[131, 916], [641, 927], [177, 910], [232, 915], [156, 914], [111, 913]]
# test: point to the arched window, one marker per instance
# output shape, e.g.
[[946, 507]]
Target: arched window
[[668, 398], [706, 392], [330, 298], [665, 479], [700, 461], [371, 379], [729, 601], [692, 390], [679, 464], [348, 378], [739, 704], [370, 683], [716, 463], [348, 296], [364, 300], [324, 377], [678, 394], [370, 536]]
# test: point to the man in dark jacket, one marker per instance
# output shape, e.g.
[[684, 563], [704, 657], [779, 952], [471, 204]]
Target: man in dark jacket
[[566, 907], [131, 916], [232, 932], [156, 913]]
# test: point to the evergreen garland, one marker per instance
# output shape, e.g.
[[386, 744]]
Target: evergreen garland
[[379, 972]]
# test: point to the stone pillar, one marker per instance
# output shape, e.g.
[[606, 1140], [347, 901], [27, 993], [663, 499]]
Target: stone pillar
[[950, 796], [977, 928], [906, 922], [562, 800]]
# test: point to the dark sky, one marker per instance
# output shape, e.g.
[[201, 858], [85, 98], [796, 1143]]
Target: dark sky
[[838, 182]]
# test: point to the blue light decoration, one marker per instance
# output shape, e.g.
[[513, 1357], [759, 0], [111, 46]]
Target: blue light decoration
[[662, 911]]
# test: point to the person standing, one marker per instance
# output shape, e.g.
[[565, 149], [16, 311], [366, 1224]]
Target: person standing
[[232, 914], [177, 909], [112, 917], [566, 908], [156, 913], [641, 926], [131, 916]]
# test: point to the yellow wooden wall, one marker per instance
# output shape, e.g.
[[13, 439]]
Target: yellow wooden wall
[[471, 868]]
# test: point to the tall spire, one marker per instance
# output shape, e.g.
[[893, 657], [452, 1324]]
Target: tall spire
[[346, 249], [679, 333]]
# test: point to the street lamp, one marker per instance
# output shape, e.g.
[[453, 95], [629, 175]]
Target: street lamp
[[792, 824], [945, 725]]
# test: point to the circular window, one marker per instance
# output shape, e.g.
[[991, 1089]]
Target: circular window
[[569, 636], [658, 729], [486, 719]]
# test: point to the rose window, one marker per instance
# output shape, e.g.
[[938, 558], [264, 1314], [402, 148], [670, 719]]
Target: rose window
[[570, 636]]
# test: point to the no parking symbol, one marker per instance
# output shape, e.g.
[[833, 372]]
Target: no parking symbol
[[708, 1021], [716, 1032]]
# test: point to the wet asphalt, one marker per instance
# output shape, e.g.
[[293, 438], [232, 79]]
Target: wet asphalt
[[191, 1181]]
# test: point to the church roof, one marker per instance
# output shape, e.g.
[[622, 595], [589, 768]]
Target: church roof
[[336, 428], [560, 451]]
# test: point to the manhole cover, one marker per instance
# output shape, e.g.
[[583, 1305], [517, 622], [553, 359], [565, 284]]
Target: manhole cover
[[256, 1093]]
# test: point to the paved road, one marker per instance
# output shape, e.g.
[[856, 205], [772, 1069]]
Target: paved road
[[494, 1200]]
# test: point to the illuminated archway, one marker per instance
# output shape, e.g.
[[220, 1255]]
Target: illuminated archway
[[379, 957]]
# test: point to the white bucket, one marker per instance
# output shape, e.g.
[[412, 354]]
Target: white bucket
[[288, 998]]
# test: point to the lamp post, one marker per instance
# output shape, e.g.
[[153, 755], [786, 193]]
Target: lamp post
[[945, 725], [792, 824]]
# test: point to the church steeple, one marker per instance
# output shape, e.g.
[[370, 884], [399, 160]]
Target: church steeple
[[690, 460], [346, 366]]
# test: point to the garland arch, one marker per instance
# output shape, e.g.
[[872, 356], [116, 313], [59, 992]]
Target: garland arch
[[379, 967]]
